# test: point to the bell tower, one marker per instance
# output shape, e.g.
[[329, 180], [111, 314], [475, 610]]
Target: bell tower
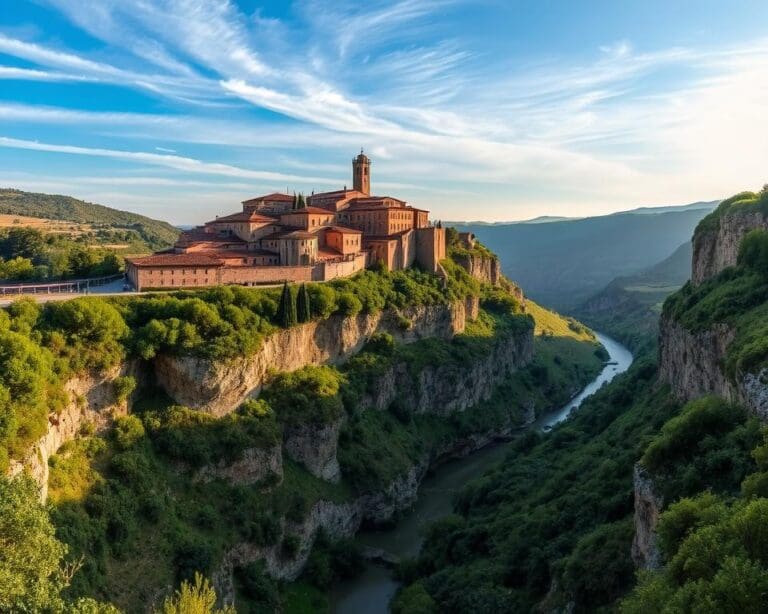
[[361, 174]]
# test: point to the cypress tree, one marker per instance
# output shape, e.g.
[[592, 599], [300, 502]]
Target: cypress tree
[[302, 304], [301, 202], [293, 317], [284, 308], [294, 204]]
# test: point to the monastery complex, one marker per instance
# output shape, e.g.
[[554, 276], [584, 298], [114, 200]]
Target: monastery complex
[[276, 238]]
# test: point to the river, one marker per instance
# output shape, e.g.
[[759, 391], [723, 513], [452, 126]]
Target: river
[[372, 590]]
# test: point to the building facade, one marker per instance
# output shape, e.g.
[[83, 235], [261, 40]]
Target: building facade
[[274, 239]]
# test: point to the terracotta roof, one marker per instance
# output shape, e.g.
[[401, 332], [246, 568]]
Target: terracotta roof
[[344, 230], [243, 216], [176, 260], [274, 197], [291, 233], [308, 210], [299, 234]]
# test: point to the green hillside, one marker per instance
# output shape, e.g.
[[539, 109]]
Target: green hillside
[[155, 233], [628, 308], [563, 263]]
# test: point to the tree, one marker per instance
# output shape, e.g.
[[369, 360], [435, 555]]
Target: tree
[[286, 311], [295, 203], [301, 203], [303, 305], [31, 576], [196, 598], [24, 242]]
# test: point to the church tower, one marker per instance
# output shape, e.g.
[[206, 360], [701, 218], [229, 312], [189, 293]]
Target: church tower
[[361, 174]]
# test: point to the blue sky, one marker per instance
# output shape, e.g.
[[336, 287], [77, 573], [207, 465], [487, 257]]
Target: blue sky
[[489, 109]]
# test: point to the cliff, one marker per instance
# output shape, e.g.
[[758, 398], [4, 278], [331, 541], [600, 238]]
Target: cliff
[[485, 269], [648, 506], [692, 362], [443, 389], [716, 245], [219, 387], [91, 401]]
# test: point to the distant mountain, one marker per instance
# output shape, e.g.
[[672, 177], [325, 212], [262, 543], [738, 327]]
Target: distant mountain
[[564, 263], [154, 233], [629, 307]]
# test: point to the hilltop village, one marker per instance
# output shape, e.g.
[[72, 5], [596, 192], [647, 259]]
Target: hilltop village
[[279, 237]]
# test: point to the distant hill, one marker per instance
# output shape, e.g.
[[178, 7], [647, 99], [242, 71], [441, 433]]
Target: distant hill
[[154, 233], [564, 263], [629, 307]]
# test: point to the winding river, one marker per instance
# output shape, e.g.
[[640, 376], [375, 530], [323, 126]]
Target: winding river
[[371, 591]]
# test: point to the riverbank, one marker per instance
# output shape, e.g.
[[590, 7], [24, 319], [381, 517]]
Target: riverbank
[[372, 591]]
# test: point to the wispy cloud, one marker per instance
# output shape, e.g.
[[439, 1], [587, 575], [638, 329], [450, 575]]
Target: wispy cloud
[[178, 163], [618, 125]]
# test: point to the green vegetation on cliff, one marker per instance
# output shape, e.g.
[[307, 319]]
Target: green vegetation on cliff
[[736, 298], [144, 505]]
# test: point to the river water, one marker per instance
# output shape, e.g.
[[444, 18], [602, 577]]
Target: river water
[[371, 591]]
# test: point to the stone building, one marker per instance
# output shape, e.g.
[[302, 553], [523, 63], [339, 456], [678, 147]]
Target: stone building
[[274, 240]]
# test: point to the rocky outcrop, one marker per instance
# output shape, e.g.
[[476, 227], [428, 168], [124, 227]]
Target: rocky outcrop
[[254, 465], [718, 248], [648, 506], [692, 363], [91, 400], [483, 268], [442, 389], [218, 387], [315, 447]]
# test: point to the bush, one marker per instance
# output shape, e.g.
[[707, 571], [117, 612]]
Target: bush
[[128, 431], [123, 387], [348, 304]]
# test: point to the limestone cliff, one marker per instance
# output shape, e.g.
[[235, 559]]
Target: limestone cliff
[[219, 387], [692, 364], [485, 269], [91, 400], [718, 247], [648, 505], [315, 447], [442, 389], [255, 465]]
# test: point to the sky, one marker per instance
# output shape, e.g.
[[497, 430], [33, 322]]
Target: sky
[[489, 110]]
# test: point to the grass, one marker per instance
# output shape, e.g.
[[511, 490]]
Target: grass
[[553, 324]]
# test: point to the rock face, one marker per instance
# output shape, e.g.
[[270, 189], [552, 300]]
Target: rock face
[[692, 364], [648, 505], [315, 447], [444, 389], [219, 387], [91, 400], [484, 269], [254, 466], [717, 249]]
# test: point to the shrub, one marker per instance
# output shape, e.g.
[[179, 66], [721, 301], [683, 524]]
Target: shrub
[[128, 431], [123, 387], [753, 251], [348, 304], [197, 597]]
